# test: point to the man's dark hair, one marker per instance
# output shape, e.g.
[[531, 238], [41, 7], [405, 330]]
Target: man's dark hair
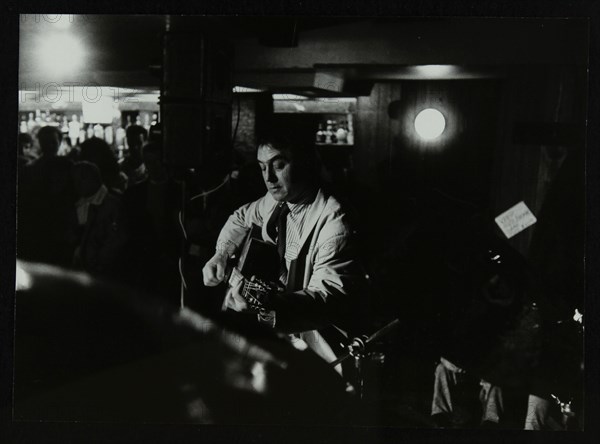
[[87, 178], [46, 139], [98, 152], [133, 133], [25, 139], [301, 149]]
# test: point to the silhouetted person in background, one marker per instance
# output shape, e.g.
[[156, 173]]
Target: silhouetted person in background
[[152, 206], [143, 256], [26, 151], [103, 226], [46, 204], [98, 152], [133, 165]]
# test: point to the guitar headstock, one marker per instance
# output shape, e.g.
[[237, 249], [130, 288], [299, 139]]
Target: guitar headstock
[[257, 292]]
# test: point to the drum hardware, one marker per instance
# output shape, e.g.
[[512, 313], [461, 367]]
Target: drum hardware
[[359, 350], [569, 415]]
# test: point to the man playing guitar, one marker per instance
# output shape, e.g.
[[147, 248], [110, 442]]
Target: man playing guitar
[[320, 279]]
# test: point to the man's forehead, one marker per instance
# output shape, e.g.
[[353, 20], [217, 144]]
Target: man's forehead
[[267, 152]]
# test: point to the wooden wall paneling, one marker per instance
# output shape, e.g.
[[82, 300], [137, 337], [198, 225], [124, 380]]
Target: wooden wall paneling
[[459, 160], [374, 134], [519, 163], [245, 137], [524, 172], [365, 131]]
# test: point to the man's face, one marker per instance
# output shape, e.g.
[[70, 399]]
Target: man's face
[[282, 177]]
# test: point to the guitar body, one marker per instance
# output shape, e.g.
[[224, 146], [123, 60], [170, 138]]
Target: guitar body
[[258, 258], [258, 265]]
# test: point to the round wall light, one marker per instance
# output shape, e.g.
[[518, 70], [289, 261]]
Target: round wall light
[[430, 124]]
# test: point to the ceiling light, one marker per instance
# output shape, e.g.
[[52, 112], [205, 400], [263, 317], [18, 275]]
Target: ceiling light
[[435, 71], [61, 54], [243, 89]]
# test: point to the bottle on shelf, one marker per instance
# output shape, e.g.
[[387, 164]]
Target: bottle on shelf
[[320, 138], [120, 138], [145, 117], [74, 129], [40, 118], [30, 123], [333, 131], [89, 131], [328, 132], [341, 133], [23, 125], [98, 131], [64, 129], [108, 135]]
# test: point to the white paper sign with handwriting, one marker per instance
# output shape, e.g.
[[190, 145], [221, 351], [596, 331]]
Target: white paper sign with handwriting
[[515, 219]]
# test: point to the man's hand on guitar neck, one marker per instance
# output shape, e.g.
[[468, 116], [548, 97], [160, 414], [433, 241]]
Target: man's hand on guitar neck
[[246, 295], [236, 301], [213, 272]]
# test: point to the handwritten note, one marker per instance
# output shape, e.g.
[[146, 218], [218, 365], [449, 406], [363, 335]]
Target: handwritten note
[[515, 219]]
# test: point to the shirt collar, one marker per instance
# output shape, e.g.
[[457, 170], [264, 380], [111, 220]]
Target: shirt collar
[[298, 207], [306, 202]]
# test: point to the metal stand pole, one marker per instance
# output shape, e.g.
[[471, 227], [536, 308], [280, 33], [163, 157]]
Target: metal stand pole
[[358, 364], [183, 249]]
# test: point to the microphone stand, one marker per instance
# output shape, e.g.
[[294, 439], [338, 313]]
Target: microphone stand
[[358, 349]]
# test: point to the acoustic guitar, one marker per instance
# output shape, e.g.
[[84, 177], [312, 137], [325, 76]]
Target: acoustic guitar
[[258, 265]]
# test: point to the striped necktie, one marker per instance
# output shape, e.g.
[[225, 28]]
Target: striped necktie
[[281, 237], [277, 229]]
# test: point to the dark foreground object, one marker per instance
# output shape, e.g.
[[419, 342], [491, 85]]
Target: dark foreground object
[[86, 350]]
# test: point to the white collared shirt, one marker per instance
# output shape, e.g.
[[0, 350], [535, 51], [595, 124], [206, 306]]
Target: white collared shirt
[[294, 230]]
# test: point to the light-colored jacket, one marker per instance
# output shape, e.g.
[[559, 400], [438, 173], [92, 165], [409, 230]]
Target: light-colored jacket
[[332, 277]]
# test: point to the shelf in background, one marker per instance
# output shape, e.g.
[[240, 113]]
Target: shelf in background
[[334, 144]]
